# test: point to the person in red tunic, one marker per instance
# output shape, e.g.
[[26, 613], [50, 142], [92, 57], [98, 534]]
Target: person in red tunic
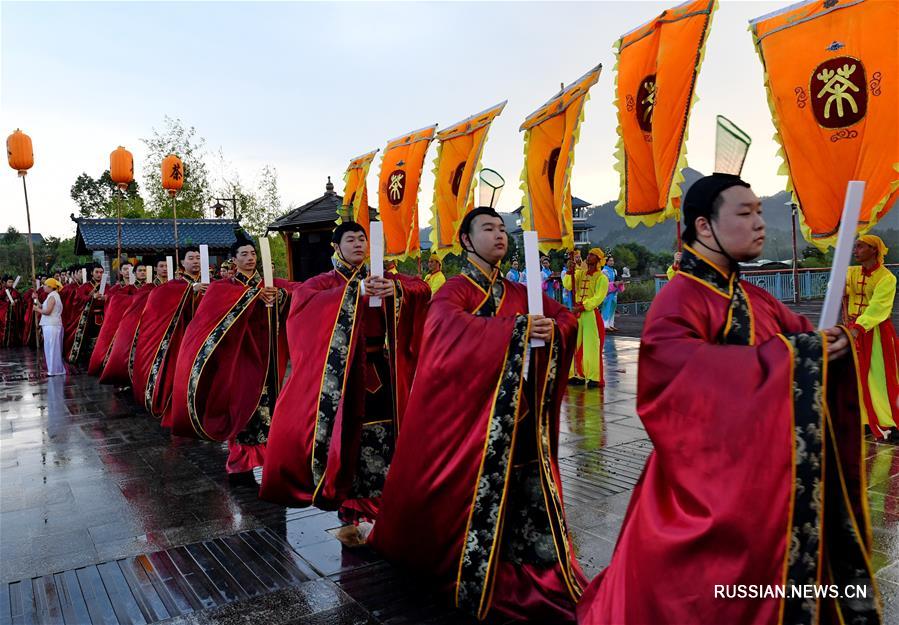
[[756, 481], [10, 311], [118, 364], [232, 361], [30, 321], [474, 496], [117, 301], [336, 422], [167, 313], [83, 317]]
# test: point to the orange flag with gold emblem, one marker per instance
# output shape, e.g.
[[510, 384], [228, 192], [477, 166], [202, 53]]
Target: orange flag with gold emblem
[[831, 71], [458, 160], [550, 134], [355, 190], [654, 92], [398, 183]]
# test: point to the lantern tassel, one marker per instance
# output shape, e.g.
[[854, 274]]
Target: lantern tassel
[[31, 252]]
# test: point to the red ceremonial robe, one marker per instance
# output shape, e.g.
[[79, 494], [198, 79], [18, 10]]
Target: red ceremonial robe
[[756, 477], [119, 363], [474, 495], [30, 321], [230, 366], [167, 313], [10, 328], [334, 428], [118, 299], [82, 317]]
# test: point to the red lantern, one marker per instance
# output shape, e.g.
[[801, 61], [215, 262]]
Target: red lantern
[[121, 167], [19, 152], [172, 174]]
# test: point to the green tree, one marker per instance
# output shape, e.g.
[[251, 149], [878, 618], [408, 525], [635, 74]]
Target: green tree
[[257, 206], [101, 197], [174, 138]]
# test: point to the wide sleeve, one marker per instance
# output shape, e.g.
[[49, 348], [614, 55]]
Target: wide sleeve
[[880, 306]]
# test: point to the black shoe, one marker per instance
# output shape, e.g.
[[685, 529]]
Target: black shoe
[[593, 384], [245, 478], [575, 382]]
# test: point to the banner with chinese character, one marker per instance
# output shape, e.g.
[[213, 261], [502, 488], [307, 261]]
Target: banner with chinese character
[[398, 183], [654, 91], [550, 134], [458, 161], [355, 191], [831, 74]]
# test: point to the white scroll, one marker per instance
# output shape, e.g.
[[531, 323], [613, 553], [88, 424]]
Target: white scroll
[[16, 281], [149, 274], [83, 275], [171, 267], [204, 264], [9, 297], [376, 251], [132, 275], [534, 277], [103, 283], [266, 252], [836, 285]]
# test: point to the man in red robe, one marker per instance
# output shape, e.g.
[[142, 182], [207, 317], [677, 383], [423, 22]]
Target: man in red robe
[[83, 317], [117, 300], [10, 307], [474, 496], [757, 480], [336, 422], [167, 313], [118, 364], [232, 361]]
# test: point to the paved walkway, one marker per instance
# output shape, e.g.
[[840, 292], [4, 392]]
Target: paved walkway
[[104, 518]]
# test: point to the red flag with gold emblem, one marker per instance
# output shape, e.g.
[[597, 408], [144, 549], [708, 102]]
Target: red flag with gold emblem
[[831, 72], [654, 92], [398, 183], [455, 168], [355, 190], [550, 134]]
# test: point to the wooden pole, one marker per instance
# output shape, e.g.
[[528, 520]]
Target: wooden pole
[[37, 342], [175, 223], [795, 255]]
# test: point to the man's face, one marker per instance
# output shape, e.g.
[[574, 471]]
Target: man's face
[[223, 273], [141, 272], [610, 261], [592, 260], [739, 224], [125, 272], [9, 283], [245, 259], [488, 238], [433, 265], [56, 277], [353, 248], [97, 274], [545, 263], [863, 252], [162, 269], [515, 265], [191, 263]]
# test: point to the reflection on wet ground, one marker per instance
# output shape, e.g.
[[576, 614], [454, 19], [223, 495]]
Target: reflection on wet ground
[[106, 518]]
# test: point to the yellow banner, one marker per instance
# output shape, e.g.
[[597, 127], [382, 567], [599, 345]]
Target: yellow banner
[[400, 176], [830, 74], [355, 191], [654, 92], [550, 134], [455, 177]]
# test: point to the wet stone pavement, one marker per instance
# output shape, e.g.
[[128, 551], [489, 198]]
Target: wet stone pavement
[[105, 518]]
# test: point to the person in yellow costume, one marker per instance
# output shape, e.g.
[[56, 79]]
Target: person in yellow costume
[[435, 277], [870, 293], [590, 288]]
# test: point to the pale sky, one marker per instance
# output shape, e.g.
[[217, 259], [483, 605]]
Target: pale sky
[[306, 86]]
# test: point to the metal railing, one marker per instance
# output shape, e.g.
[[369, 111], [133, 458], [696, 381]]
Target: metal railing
[[779, 282]]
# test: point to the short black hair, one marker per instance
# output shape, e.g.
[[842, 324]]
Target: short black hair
[[187, 249], [689, 234], [240, 240], [343, 228], [468, 220], [703, 199]]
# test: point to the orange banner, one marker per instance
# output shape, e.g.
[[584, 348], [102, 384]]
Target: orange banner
[[831, 71], [455, 168], [355, 191], [400, 176], [654, 92], [551, 133]]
